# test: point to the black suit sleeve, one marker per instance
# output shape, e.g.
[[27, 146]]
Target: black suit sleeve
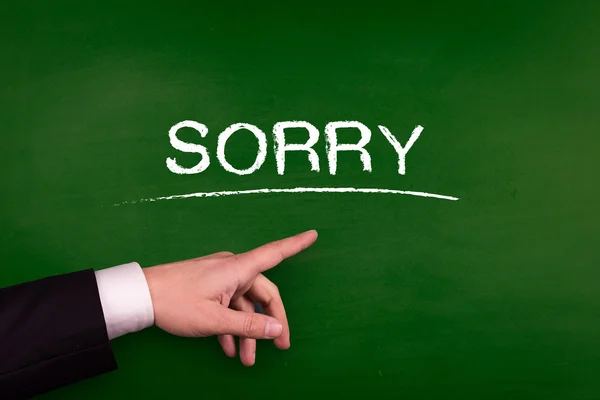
[[52, 333]]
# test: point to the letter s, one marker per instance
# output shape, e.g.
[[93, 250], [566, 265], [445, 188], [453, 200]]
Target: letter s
[[188, 148]]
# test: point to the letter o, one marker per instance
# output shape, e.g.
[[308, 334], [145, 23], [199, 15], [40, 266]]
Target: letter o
[[260, 156]]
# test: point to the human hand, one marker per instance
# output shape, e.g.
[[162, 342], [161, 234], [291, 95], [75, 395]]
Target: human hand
[[215, 295]]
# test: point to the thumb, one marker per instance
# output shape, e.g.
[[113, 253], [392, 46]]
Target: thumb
[[249, 325]]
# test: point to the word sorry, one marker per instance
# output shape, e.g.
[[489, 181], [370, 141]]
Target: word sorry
[[281, 146]]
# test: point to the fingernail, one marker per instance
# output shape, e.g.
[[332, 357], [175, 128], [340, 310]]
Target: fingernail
[[273, 329], [253, 358]]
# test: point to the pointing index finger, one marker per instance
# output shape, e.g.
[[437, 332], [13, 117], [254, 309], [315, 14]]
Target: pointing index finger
[[269, 255]]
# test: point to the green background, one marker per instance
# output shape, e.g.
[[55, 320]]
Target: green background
[[492, 296]]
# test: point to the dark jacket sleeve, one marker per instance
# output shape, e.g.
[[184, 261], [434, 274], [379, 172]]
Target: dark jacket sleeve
[[52, 333]]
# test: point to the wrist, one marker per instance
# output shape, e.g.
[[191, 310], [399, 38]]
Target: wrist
[[149, 276], [154, 277]]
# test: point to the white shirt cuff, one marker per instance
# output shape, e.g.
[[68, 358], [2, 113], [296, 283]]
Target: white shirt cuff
[[125, 299]]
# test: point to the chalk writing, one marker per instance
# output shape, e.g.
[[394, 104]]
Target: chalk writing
[[281, 146]]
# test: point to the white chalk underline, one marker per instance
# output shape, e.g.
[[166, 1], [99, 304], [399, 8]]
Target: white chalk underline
[[296, 190]]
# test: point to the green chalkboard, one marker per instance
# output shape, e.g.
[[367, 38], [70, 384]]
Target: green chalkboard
[[490, 292]]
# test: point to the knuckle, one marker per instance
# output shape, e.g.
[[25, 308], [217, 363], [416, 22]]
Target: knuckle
[[221, 254], [274, 289], [249, 325], [237, 265], [277, 252]]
